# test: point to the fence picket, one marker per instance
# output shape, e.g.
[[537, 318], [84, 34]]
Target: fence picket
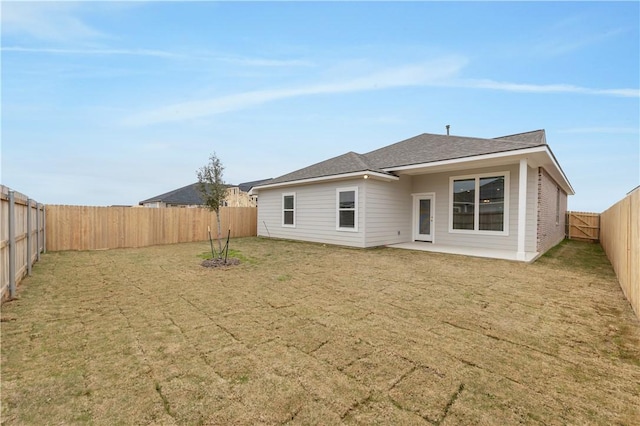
[[19, 250], [91, 228], [620, 239]]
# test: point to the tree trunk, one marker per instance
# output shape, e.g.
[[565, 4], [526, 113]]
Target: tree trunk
[[219, 235]]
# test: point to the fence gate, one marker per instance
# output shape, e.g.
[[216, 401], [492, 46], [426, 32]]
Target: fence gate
[[583, 226]]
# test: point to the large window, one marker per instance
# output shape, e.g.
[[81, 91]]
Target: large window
[[479, 203], [289, 209], [347, 209]]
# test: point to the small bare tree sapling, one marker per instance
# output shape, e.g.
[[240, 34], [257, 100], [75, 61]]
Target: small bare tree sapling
[[213, 190]]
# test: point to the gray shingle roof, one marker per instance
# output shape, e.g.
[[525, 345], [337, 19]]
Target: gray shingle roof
[[246, 186], [536, 137], [187, 195], [190, 195], [345, 163], [421, 149]]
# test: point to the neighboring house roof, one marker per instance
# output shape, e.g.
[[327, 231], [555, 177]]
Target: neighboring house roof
[[187, 195], [190, 195], [246, 186]]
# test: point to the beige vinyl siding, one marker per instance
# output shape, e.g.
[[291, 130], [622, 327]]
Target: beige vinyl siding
[[439, 184], [315, 214], [388, 212]]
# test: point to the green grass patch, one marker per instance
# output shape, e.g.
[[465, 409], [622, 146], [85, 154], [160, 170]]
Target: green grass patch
[[585, 256]]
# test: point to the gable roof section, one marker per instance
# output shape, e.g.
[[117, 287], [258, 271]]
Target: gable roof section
[[536, 137], [428, 148], [346, 163], [422, 149]]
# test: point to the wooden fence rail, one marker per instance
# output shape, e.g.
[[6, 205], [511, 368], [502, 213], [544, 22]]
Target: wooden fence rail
[[22, 238], [620, 239], [92, 228], [583, 226]]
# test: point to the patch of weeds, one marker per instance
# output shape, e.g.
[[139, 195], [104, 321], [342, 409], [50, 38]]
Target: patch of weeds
[[232, 253], [624, 343], [283, 277], [585, 256], [241, 379], [83, 417]]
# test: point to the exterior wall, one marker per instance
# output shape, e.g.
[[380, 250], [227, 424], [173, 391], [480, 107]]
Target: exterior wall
[[385, 212], [439, 184], [315, 214], [388, 212], [530, 244], [237, 198], [549, 230]]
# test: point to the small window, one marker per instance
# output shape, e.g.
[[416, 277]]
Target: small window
[[289, 210], [347, 209]]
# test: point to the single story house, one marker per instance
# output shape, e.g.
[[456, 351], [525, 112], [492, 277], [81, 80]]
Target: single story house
[[504, 197], [189, 196]]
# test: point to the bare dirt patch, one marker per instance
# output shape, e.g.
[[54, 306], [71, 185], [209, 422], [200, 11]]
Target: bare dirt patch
[[306, 334]]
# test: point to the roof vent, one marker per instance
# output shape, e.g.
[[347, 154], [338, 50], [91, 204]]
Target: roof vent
[[447, 126]]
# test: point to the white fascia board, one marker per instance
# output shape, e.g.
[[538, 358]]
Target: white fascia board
[[497, 155], [512, 153], [369, 174], [570, 191]]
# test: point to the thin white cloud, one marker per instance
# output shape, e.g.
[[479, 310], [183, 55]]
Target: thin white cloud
[[555, 47], [431, 73], [243, 61], [441, 73], [46, 21], [131, 52], [544, 88], [263, 62]]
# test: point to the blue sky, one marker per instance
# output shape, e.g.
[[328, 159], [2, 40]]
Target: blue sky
[[115, 102]]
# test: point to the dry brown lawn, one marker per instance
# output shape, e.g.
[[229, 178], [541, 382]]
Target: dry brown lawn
[[309, 334]]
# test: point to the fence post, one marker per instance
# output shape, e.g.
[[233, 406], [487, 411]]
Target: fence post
[[37, 231], [44, 229], [12, 244], [29, 236]]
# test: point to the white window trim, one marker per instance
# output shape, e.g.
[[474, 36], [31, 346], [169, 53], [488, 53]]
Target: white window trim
[[355, 218], [476, 213], [285, 194]]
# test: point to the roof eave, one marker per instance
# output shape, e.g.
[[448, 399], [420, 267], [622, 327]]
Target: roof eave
[[504, 155], [365, 174]]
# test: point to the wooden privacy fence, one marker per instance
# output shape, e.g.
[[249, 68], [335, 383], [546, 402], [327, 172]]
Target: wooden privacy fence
[[583, 226], [22, 238], [92, 228], [620, 239]]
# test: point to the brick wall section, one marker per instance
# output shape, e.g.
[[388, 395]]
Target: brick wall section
[[551, 221]]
